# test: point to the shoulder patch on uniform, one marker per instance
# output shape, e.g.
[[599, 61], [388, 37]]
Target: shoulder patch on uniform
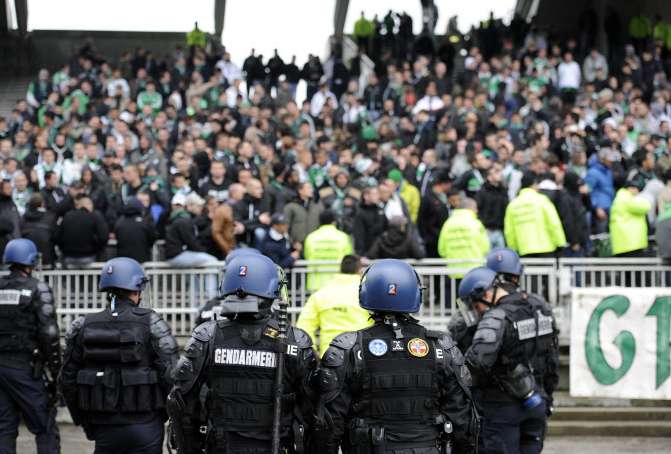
[[333, 357], [301, 338], [205, 331], [378, 347], [418, 347], [344, 341]]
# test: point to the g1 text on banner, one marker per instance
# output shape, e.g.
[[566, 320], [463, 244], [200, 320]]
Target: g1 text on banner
[[620, 343]]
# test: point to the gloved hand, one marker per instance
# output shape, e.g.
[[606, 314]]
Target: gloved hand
[[549, 407]]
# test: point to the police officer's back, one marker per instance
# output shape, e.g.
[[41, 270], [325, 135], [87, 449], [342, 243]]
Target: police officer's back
[[118, 366], [233, 362], [513, 359], [395, 385], [29, 348]]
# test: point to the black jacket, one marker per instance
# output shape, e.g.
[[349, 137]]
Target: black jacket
[[247, 212], [492, 202], [181, 235], [39, 226], [577, 232], [57, 201], [369, 223], [432, 215], [82, 233], [395, 244], [135, 235]]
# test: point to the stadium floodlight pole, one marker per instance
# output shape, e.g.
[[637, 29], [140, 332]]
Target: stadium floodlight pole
[[283, 325]]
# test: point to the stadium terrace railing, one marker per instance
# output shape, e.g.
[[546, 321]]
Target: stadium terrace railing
[[178, 293]]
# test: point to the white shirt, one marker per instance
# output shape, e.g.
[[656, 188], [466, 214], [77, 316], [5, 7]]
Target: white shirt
[[118, 83], [428, 103], [319, 100], [232, 96], [568, 75], [72, 171], [229, 70]]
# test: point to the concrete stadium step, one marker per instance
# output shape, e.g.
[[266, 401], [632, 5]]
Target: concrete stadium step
[[578, 428], [563, 399], [612, 414], [12, 89]]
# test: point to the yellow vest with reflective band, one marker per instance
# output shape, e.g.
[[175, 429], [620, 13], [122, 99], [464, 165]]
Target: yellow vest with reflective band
[[463, 237], [412, 198], [628, 222], [333, 310], [532, 225], [196, 37], [325, 243]]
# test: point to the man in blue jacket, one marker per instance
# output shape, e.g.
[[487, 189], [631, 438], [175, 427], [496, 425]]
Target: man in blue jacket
[[276, 244], [599, 178]]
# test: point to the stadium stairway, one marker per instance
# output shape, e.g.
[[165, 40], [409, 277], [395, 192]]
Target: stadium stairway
[[12, 88]]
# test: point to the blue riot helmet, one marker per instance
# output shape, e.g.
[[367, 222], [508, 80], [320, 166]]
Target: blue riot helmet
[[472, 290], [506, 262], [390, 285], [20, 252], [240, 252], [251, 282], [122, 273]]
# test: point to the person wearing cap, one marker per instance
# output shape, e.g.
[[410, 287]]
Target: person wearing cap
[[276, 244], [183, 248], [600, 180], [531, 225], [30, 352], [463, 237], [514, 361], [334, 309], [628, 221], [327, 243], [434, 210], [223, 399], [394, 386], [408, 192], [118, 366]]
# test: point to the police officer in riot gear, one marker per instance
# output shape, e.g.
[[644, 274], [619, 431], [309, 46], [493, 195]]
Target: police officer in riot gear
[[118, 366], [395, 385], [514, 361], [30, 355], [223, 396]]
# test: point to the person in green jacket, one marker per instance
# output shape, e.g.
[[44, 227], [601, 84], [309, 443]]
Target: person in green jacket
[[409, 193], [334, 309], [325, 243], [628, 221], [531, 224], [150, 97], [363, 31], [463, 237]]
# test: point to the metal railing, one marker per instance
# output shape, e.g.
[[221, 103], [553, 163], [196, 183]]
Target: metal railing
[[178, 293]]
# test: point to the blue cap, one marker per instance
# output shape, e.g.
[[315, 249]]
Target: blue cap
[[504, 261], [390, 285], [251, 274], [123, 273], [20, 251], [476, 282]]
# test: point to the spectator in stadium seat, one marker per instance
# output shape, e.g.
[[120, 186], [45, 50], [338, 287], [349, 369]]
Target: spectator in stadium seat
[[492, 200], [183, 248], [82, 235], [408, 192], [39, 226], [396, 242], [369, 221], [277, 245], [253, 212], [434, 210], [531, 225], [600, 180], [628, 221], [302, 213], [134, 232]]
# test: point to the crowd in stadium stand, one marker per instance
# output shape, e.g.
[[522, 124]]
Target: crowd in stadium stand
[[523, 139]]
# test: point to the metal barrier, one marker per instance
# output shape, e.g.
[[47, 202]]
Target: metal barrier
[[177, 294]]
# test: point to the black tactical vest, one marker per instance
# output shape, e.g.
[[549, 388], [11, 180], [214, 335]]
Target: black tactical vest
[[395, 389], [118, 378], [530, 336], [18, 321], [240, 378]]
